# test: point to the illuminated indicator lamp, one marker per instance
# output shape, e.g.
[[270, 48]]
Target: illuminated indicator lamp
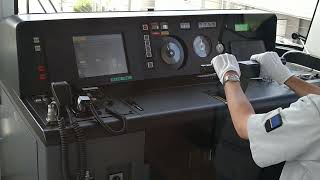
[[156, 33], [241, 27], [164, 26], [185, 25], [43, 77], [41, 68], [155, 26], [165, 33], [211, 24]]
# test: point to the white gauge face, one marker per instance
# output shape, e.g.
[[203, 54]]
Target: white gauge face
[[172, 52], [202, 46]]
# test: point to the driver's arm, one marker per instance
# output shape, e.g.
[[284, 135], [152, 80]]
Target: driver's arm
[[272, 67], [302, 88]]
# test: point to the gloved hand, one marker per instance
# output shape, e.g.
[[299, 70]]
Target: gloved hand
[[224, 63], [272, 67]]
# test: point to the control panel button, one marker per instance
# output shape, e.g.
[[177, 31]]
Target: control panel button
[[146, 37], [42, 77], [148, 49], [185, 25], [145, 27], [150, 65], [149, 54], [147, 43], [164, 26], [37, 48], [36, 40], [41, 68], [155, 26]]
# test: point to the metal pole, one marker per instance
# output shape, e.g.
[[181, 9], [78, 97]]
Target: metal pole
[[28, 6], [16, 7], [44, 10], [61, 5], [54, 8]]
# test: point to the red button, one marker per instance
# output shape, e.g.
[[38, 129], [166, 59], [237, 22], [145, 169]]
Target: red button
[[41, 68], [42, 77], [156, 33]]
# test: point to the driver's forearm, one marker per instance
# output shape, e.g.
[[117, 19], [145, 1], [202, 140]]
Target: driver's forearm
[[302, 88], [239, 107]]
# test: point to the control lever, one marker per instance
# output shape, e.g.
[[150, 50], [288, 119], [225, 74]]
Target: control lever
[[249, 69]]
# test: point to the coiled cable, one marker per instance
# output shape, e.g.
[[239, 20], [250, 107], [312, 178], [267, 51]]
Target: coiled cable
[[64, 148], [81, 141]]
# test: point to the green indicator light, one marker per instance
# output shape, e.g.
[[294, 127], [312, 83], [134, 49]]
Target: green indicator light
[[241, 27], [122, 78]]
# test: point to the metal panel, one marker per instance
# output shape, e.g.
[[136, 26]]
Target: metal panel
[[109, 155], [18, 148], [7, 8]]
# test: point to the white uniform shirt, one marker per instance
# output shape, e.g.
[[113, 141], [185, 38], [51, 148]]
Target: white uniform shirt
[[296, 141]]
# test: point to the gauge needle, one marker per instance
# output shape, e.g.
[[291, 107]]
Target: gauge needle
[[202, 47]]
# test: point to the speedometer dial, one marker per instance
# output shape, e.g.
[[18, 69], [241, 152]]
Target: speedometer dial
[[202, 46]]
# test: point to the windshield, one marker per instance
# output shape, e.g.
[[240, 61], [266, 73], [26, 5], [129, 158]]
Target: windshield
[[294, 16]]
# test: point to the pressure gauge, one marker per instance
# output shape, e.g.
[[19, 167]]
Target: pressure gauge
[[220, 48], [172, 52], [202, 46]]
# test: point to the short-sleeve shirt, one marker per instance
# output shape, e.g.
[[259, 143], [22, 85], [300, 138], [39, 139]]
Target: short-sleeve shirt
[[296, 140]]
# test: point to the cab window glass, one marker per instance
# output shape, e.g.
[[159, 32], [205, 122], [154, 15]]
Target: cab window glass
[[293, 15]]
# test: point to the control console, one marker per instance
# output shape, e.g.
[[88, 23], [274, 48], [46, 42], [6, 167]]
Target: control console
[[119, 89], [129, 47]]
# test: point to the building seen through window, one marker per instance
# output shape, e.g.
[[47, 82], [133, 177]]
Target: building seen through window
[[293, 15]]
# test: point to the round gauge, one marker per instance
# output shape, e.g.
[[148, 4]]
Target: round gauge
[[220, 48], [172, 52], [202, 46]]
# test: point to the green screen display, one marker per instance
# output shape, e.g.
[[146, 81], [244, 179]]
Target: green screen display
[[122, 78], [241, 27]]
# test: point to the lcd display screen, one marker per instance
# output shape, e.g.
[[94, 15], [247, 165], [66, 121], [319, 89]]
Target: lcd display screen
[[100, 55]]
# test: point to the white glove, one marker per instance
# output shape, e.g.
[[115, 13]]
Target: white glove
[[224, 63], [272, 67]]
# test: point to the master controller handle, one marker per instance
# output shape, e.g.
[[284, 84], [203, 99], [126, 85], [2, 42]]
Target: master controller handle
[[249, 69]]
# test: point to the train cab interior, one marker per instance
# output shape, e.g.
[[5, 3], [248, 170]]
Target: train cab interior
[[125, 89]]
